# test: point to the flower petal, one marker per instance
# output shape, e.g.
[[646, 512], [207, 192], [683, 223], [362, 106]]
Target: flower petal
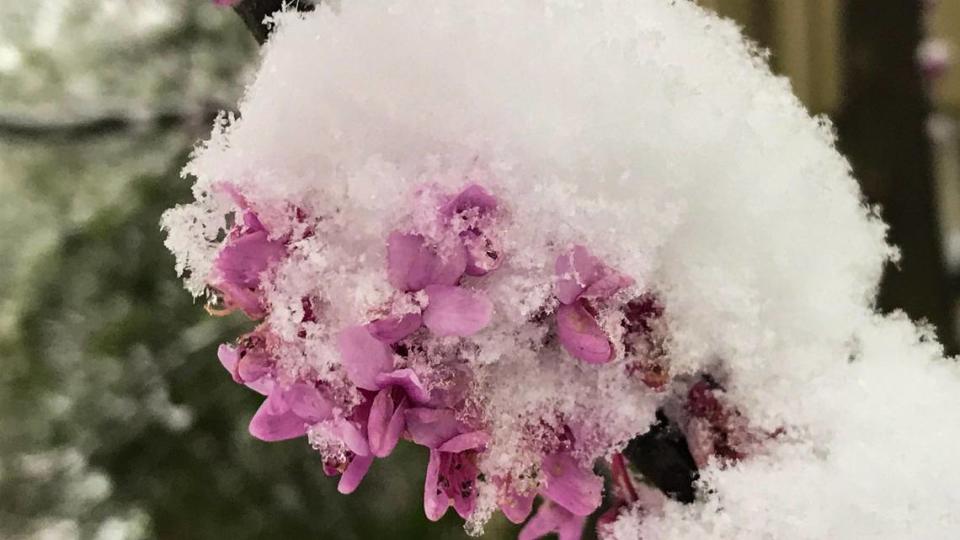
[[412, 264], [244, 258], [431, 427], [435, 500], [455, 311], [363, 357], [385, 423], [571, 486], [274, 421], [229, 357], [407, 380], [515, 506], [465, 441], [394, 328], [575, 270], [354, 474], [306, 401], [581, 335], [471, 197], [553, 518]]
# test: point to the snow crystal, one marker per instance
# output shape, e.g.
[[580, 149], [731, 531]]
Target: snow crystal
[[650, 132]]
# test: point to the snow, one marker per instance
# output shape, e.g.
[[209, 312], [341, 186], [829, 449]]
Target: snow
[[652, 133]]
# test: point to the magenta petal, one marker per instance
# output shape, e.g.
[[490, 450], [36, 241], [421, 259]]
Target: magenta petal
[[350, 434], [354, 474], [244, 258], [470, 198], [465, 441], [253, 365], [237, 296], [455, 311], [407, 380], [384, 424], [571, 486], [306, 401], [517, 507], [363, 357], [274, 421], [608, 284], [553, 518], [229, 357], [581, 335], [575, 270], [392, 329], [435, 500], [412, 264], [431, 427]]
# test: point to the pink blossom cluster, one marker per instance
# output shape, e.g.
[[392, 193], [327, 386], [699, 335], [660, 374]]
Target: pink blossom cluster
[[399, 373]]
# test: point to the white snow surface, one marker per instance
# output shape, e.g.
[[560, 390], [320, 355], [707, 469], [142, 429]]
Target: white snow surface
[[653, 133]]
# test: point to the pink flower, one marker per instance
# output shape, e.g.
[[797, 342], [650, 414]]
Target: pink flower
[[247, 253], [553, 518], [471, 213], [370, 366], [288, 412], [582, 278], [570, 485], [452, 475]]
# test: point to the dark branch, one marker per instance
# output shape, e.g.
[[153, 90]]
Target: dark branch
[[253, 13], [71, 128]]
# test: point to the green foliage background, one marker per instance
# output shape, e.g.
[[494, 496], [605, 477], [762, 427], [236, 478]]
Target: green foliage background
[[117, 421]]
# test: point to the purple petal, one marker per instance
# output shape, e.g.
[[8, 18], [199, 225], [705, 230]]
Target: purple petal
[[385, 424], [431, 427], [575, 271], [455, 311], [306, 401], [253, 366], [274, 421], [392, 329], [350, 434], [464, 442], [364, 357], [239, 297], [229, 357], [412, 264], [407, 380], [553, 518], [435, 500], [482, 256], [354, 474], [608, 284], [581, 335], [244, 258], [471, 197], [571, 486], [515, 506]]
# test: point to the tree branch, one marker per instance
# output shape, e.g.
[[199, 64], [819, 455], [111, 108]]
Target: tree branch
[[253, 13]]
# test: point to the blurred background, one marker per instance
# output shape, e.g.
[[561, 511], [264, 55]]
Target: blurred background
[[117, 421]]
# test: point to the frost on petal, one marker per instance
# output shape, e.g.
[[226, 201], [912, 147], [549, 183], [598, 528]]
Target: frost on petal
[[412, 264], [244, 258], [552, 518], [354, 474], [455, 311], [364, 357], [575, 271], [472, 197], [435, 500], [394, 328], [385, 423], [406, 379], [431, 427], [570, 485], [581, 335], [274, 421]]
